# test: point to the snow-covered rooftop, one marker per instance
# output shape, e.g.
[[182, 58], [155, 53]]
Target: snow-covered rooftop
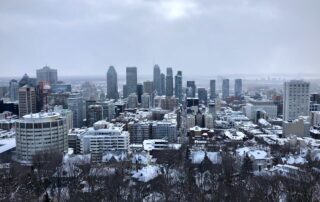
[[7, 144], [252, 153], [147, 173]]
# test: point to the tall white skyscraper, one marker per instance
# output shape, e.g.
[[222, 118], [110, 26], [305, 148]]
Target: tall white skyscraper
[[296, 99]]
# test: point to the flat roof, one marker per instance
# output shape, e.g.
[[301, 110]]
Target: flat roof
[[7, 144]]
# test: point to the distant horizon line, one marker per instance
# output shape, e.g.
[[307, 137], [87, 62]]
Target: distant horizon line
[[277, 75]]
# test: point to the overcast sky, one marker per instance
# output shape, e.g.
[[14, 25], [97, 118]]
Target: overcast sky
[[84, 37]]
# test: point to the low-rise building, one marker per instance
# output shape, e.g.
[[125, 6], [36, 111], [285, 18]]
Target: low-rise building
[[104, 137], [299, 127]]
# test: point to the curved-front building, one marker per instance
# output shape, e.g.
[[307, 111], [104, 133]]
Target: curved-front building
[[41, 132]]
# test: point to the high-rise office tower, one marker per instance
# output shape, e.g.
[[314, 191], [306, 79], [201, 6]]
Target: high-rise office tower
[[296, 99], [132, 80], [178, 86], [163, 84], [203, 95], [191, 89], [112, 83], [212, 89], [48, 75], [169, 82], [148, 87], [157, 79], [76, 105], [27, 100], [225, 89], [139, 91], [13, 90], [238, 87]]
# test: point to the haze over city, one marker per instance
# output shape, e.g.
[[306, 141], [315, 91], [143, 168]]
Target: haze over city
[[209, 36], [159, 100]]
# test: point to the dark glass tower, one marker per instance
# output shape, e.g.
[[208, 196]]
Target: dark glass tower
[[212, 89], [225, 89], [132, 80], [178, 86], [169, 82], [238, 87], [163, 84], [157, 79], [112, 83]]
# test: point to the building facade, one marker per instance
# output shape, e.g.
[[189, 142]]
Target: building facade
[[131, 80], [27, 100], [47, 75], [212, 89], [225, 89], [178, 86], [191, 89], [296, 99], [203, 95], [13, 90], [41, 132], [76, 105], [169, 82], [98, 140], [238, 87], [112, 83], [157, 79]]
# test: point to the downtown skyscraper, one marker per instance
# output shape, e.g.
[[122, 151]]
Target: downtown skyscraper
[[212, 89], [169, 82], [163, 84], [157, 79], [178, 86], [225, 89], [112, 83], [238, 87], [131, 80]]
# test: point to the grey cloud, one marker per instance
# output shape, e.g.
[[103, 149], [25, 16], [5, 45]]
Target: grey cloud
[[221, 37]]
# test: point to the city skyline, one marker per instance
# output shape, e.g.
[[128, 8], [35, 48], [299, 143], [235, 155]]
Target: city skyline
[[264, 37], [159, 100]]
